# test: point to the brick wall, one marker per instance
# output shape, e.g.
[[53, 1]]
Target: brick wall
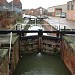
[[71, 12], [68, 56], [15, 56]]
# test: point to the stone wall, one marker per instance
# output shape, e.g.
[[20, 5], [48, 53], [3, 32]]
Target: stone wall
[[4, 65]]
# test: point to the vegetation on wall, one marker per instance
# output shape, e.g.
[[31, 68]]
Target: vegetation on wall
[[19, 18]]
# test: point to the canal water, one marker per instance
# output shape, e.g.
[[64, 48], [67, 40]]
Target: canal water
[[41, 64]]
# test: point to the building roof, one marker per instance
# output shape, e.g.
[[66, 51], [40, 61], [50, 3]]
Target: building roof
[[57, 5], [16, 1]]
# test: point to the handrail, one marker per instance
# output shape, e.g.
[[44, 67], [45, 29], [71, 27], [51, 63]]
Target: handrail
[[35, 31]]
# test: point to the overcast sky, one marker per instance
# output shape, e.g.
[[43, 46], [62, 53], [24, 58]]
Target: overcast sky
[[28, 4]]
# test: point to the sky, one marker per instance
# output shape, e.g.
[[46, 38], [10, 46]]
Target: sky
[[28, 4]]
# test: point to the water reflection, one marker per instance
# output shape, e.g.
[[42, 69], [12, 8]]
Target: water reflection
[[39, 54], [33, 27]]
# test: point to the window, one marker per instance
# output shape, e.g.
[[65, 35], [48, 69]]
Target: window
[[68, 6], [72, 5]]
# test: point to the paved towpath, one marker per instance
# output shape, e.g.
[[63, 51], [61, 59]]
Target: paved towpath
[[56, 21]]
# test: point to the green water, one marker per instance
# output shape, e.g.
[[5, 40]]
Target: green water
[[41, 64]]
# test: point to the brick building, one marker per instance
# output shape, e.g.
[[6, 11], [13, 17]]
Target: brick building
[[25, 11], [35, 12], [3, 2], [57, 10], [71, 10], [41, 11], [17, 3], [29, 12], [17, 6], [3, 5]]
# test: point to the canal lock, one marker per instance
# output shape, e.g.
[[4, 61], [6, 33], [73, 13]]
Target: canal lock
[[44, 50]]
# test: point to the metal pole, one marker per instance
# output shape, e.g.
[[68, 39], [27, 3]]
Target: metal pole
[[12, 5], [64, 28], [10, 44], [59, 27], [35, 21], [51, 27], [20, 27]]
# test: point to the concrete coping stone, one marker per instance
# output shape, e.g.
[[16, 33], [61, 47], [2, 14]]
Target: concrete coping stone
[[3, 52], [71, 41]]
